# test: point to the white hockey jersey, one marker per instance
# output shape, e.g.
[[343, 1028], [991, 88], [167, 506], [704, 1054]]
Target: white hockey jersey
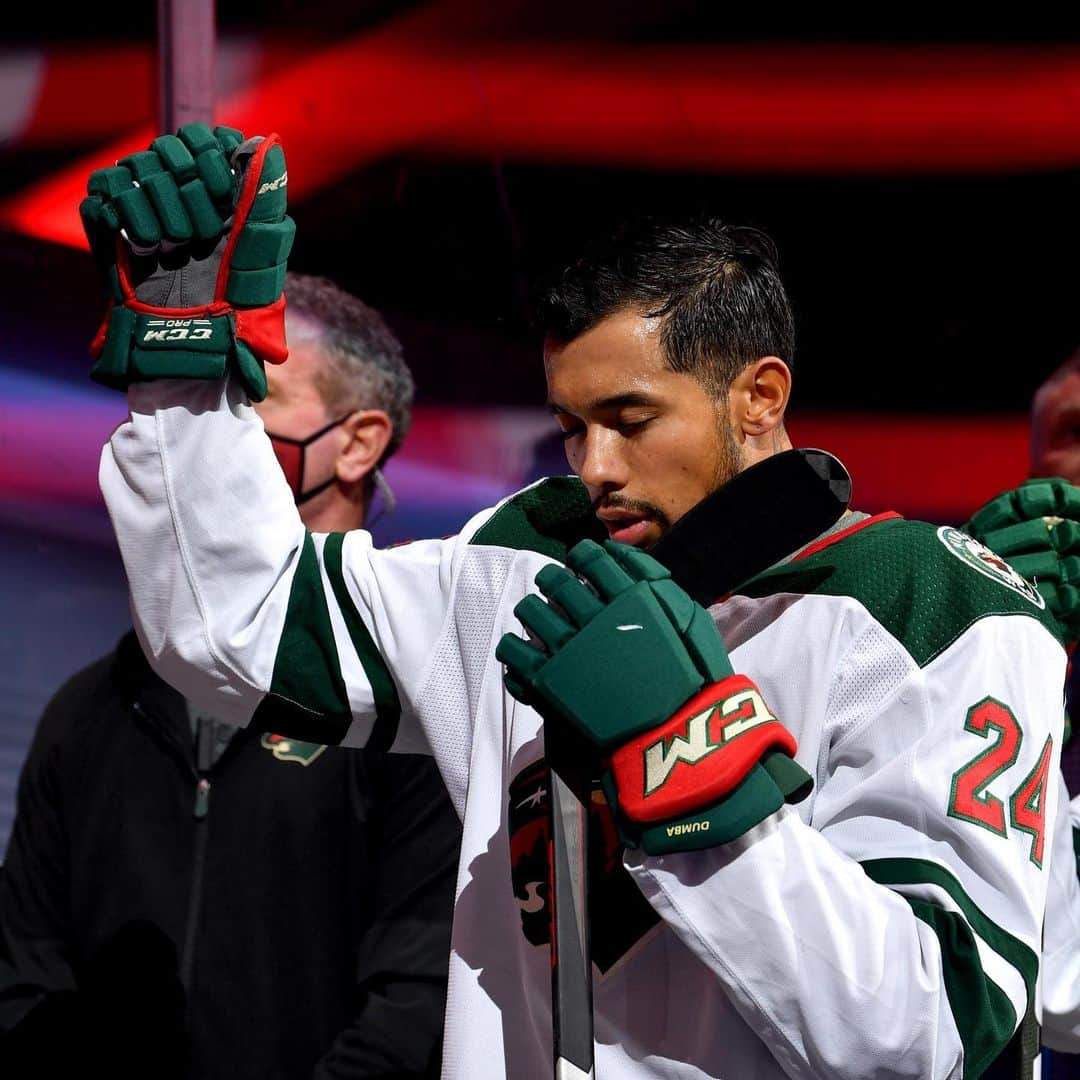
[[889, 925]]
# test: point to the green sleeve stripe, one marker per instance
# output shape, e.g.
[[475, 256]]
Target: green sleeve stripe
[[387, 702], [923, 872], [985, 1017], [1076, 844], [307, 697]]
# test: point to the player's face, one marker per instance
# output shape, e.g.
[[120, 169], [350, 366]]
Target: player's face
[[649, 443], [1055, 428]]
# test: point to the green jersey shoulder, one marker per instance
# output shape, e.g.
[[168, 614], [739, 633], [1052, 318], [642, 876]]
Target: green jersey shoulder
[[549, 517], [926, 584]]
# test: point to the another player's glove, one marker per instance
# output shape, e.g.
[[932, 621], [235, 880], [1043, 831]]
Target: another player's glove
[[192, 238], [1036, 529], [627, 658]]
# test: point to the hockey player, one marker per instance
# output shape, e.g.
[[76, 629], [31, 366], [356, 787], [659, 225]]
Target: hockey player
[[1037, 528], [888, 924]]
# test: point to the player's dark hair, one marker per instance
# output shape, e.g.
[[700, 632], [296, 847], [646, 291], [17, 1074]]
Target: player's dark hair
[[715, 285], [365, 366]]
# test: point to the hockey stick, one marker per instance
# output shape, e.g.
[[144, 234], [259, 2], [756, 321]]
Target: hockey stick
[[569, 795], [765, 513], [756, 519]]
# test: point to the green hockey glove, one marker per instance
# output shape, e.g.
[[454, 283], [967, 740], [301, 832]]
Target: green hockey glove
[[192, 238], [1036, 529], [626, 657]]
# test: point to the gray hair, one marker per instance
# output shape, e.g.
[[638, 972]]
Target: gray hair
[[365, 368]]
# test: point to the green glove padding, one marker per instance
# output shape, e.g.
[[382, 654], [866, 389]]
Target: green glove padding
[[192, 238], [618, 655], [1036, 529]]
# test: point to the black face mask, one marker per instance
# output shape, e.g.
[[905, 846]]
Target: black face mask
[[291, 455]]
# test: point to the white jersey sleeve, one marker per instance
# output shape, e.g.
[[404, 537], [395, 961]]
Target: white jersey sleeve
[[250, 616], [892, 923], [227, 581], [1061, 945]]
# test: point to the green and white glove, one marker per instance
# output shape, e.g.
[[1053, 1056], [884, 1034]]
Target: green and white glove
[[622, 654], [191, 238], [1036, 529]]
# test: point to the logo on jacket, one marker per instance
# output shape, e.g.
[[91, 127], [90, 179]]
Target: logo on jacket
[[285, 749], [980, 557]]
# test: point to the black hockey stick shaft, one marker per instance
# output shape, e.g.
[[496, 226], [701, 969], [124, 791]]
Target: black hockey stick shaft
[[765, 513], [570, 780]]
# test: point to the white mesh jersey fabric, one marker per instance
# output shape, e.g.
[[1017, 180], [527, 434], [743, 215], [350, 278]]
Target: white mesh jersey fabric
[[868, 675], [462, 659]]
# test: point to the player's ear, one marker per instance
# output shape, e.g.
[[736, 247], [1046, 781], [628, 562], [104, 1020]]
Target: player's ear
[[369, 432], [759, 397]]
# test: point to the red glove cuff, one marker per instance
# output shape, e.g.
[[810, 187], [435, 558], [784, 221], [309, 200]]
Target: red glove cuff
[[263, 329], [99, 338], [704, 751]]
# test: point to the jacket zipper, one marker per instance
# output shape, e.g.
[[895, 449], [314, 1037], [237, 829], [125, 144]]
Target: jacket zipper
[[203, 748]]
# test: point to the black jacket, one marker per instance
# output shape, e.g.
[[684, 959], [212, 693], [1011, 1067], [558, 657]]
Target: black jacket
[[282, 911]]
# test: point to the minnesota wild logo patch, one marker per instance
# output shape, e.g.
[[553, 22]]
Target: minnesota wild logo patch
[[979, 557], [285, 749]]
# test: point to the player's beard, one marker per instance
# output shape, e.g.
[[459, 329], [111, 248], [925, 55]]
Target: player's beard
[[729, 459]]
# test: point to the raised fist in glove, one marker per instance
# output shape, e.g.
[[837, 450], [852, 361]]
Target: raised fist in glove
[[621, 653], [1036, 529], [191, 237]]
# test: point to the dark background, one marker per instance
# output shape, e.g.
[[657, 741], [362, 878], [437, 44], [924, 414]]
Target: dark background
[[916, 293]]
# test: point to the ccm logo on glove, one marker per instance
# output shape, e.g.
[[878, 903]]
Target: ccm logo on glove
[[179, 330], [672, 769]]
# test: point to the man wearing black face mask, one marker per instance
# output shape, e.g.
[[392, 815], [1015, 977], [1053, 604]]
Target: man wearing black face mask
[[182, 898]]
